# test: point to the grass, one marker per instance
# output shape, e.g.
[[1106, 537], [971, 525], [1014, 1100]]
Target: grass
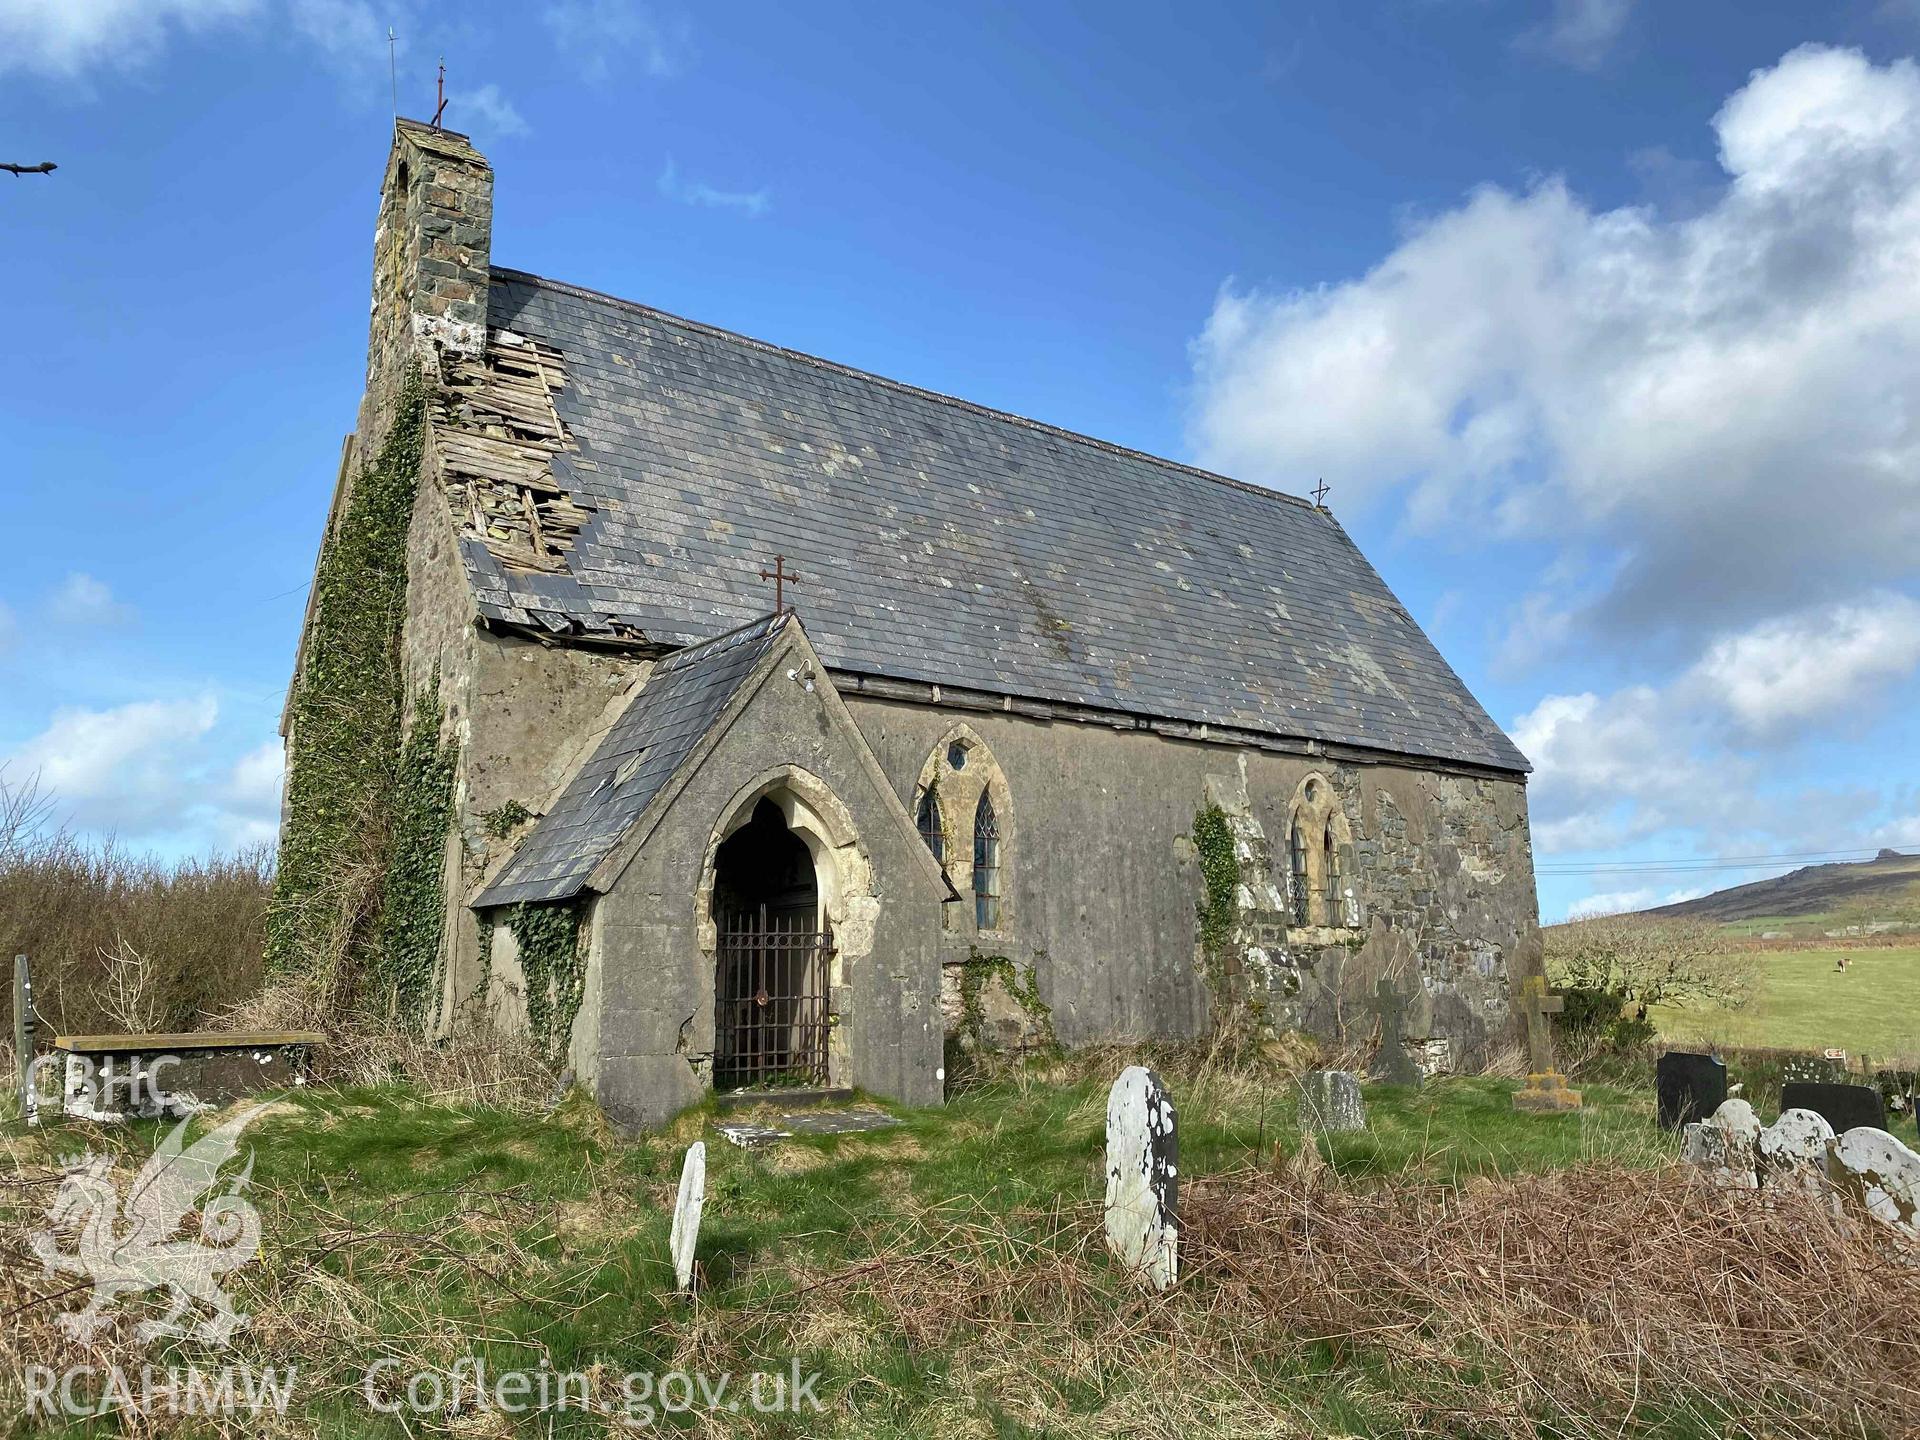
[[1803, 1003], [395, 1224], [946, 1276]]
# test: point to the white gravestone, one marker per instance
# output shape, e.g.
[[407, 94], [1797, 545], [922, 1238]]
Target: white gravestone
[[686, 1215], [1883, 1172], [1726, 1145], [1793, 1150], [1143, 1177]]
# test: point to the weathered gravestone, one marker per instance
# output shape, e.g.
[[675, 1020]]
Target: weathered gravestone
[[1792, 1152], [1391, 1062], [1546, 1088], [1688, 1087], [1330, 1102], [1882, 1174], [1812, 1070], [23, 1039], [1844, 1107], [1726, 1144], [686, 1215], [1143, 1178]]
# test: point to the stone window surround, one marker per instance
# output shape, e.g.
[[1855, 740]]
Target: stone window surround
[[957, 795], [1316, 815]]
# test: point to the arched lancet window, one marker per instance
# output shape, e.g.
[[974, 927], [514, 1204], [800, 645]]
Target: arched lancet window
[[986, 865], [1301, 881], [1330, 872], [928, 821]]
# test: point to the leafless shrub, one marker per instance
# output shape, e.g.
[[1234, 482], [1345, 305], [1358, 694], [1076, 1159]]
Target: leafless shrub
[[1652, 960], [77, 909]]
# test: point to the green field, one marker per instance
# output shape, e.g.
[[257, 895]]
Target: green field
[[1803, 1003]]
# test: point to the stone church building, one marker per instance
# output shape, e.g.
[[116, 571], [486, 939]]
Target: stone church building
[[1052, 742]]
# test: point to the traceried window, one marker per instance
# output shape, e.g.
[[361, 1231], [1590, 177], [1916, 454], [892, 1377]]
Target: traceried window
[[986, 865], [1302, 882], [928, 821]]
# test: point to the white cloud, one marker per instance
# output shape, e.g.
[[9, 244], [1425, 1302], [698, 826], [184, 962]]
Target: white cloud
[[484, 112], [118, 768], [609, 37], [154, 772], [346, 30], [254, 785], [82, 600], [1819, 664], [67, 39], [693, 192], [1723, 402], [1579, 32]]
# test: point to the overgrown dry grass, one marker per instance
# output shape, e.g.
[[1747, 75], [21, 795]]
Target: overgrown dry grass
[[1591, 1302], [115, 937]]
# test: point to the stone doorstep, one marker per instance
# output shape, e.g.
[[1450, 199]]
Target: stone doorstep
[[746, 1099]]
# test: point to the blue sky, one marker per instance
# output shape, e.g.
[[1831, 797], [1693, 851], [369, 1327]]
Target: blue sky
[[1598, 316]]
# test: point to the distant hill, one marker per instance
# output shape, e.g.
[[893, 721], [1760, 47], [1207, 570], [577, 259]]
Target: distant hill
[[1890, 882]]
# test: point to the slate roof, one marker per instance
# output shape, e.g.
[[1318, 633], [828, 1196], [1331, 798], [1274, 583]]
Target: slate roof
[[678, 704], [942, 542]]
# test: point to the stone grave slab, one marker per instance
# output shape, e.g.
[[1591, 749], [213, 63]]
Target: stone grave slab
[[687, 1206], [1688, 1087], [757, 1134], [1844, 1107], [1331, 1103], [1143, 1177]]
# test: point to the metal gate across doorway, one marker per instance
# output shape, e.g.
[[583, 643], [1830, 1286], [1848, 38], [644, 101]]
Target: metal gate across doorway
[[770, 1000]]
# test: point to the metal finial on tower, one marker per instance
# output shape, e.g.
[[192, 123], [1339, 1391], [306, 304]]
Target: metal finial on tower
[[1320, 493], [393, 71], [440, 93]]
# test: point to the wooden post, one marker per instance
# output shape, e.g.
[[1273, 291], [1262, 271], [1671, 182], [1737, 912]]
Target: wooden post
[[23, 1038]]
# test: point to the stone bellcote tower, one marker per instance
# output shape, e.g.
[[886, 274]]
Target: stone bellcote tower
[[430, 260]]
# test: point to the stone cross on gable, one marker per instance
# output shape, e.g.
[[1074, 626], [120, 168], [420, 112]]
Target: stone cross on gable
[[1539, 1004]]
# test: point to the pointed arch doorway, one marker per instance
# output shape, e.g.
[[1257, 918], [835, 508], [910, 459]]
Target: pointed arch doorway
[[774, 954]]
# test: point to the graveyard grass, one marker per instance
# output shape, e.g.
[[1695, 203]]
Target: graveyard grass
[[1803, 1003], [398, 1225]]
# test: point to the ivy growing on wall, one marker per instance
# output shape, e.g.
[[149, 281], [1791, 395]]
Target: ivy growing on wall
[[414, 904], [344, 750], [1023, 990], [553, 960], [1219, 900]]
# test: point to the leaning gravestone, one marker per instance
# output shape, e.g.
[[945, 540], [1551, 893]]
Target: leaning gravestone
[[686, 1215], [1143, 1178], [1330, 1102], [1688, 1087], [1391, 1062], [1882, 1173], [1845, 1107]]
